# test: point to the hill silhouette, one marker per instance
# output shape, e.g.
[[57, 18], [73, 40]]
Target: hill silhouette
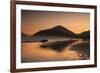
[[85, 34], [58, 31], [25, 37]]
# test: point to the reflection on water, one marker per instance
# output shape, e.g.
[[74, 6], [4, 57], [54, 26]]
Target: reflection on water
[[57, 46], [55, 51]]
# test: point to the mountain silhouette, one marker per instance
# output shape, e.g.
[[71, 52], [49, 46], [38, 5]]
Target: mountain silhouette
[[25, 37], [85, 34], [58, 31]]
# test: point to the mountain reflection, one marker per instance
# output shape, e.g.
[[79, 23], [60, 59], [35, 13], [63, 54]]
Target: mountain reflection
[[57, 46], [79, 45], [56, 51]]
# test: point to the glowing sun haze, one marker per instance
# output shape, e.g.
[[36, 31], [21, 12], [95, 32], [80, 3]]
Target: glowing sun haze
[[34, 21]]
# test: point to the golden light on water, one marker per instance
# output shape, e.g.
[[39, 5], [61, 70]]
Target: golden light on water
[[33, 52], [34, 21]]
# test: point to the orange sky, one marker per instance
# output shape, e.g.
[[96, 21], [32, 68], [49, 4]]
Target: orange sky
[[34, 21]]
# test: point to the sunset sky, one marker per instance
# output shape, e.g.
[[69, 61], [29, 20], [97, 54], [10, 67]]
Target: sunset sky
[[34, 21]]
